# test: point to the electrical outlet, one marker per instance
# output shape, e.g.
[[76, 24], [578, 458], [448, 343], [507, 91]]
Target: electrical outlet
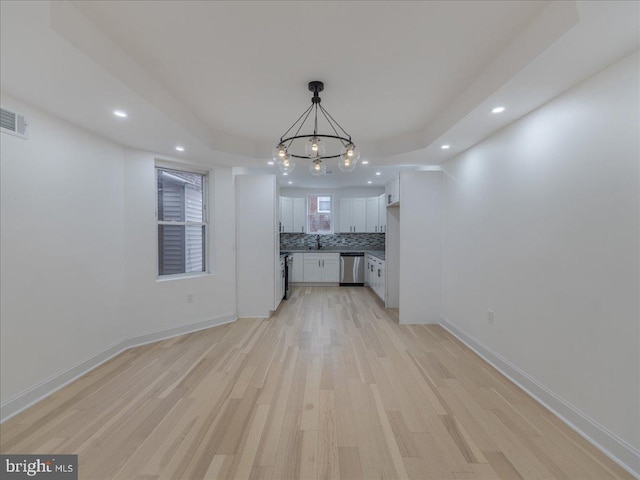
[[189, 297], [490, 317]]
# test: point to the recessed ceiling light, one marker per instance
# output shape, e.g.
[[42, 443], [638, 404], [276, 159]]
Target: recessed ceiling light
[[289, 182], [270, 162], [498, 110], [445, 147], [285, 173], [369, 181], [365, 162], [120, 113], [378, 173], [180, 148]]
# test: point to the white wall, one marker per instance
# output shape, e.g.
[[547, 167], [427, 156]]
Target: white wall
[[420, 237], [541, 227], [152, 304], [257, 244], [79, 254], [62, 240]]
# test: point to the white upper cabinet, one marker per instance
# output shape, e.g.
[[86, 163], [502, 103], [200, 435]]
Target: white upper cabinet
[[293, 215], [353, 212], [286, 214], [299, 215], [382, 213], [376, 214], [392, 191], [373, 223]]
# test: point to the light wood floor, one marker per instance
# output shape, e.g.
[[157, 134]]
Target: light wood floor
[[330, 387]]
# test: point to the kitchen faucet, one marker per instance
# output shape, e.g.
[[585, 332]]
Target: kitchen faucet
[[317, 242]]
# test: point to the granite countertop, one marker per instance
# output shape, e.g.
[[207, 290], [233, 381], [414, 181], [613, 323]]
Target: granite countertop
[[375, 253]]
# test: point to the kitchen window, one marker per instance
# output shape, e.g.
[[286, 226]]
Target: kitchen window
[[319, 214], [324, 204], [182, 221]]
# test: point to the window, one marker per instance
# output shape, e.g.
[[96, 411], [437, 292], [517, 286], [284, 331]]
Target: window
[[319, 214], [182, 221], [324, 204]]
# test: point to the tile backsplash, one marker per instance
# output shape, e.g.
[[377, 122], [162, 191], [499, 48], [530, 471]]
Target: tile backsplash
[[297, 241]]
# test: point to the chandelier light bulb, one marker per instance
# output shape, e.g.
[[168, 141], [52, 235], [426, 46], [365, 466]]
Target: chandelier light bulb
[[286, 165], [314, 148], [317, 168], [347, 164], [352, 152], [279, 153]]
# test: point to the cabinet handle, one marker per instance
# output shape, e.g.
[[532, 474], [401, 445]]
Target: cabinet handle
[[378, 272], [301, 229], [322, 263], [376, 228], [318, 263]]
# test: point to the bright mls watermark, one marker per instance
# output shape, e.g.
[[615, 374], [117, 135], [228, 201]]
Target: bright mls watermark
[[41, 467]]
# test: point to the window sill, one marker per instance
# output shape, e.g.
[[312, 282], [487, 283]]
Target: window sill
[[182, 276]]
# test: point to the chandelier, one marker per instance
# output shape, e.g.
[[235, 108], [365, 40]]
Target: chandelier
[[318, 147]]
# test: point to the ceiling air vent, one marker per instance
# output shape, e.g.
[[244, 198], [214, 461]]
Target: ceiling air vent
[[329, 172], [12, 123]]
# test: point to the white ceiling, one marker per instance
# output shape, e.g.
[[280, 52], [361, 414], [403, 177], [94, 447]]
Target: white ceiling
[[226, 79]]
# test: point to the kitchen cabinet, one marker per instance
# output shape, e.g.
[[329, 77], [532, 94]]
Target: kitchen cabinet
[[321, 267], [392, 191], [367, 268], [353, 213], [292, 215], [377, 276], [382, 214], [376, 218], [299, 215], [372, 221], [297, 273]]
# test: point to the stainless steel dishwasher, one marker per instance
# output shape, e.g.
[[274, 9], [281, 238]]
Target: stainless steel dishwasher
[[352, 268]]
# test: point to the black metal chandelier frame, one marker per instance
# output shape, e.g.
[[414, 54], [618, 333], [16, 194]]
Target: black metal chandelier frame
[[345, 139]]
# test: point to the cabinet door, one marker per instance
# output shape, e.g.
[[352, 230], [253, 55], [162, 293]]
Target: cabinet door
[[366, 269], [382, 214], [299, 215], [286, 215], [331, 267], [312, 268], [372, 223], [392, 190], [359, 214], [346, 226], [297, 273]]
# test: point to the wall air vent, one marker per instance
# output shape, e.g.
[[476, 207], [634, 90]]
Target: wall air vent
[[12, 123]]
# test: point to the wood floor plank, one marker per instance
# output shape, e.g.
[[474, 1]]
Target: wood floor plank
[[330, 387]]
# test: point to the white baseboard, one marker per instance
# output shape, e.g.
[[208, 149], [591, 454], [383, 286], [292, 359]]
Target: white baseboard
[[609, 443], [24, 400]]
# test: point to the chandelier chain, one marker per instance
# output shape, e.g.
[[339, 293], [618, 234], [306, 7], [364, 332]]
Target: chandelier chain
[[307, 111]]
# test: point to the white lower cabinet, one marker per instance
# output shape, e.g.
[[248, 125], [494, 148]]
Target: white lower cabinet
[[297, 273], [376, 272], [330, 267], [366, 268], [321, 267]]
